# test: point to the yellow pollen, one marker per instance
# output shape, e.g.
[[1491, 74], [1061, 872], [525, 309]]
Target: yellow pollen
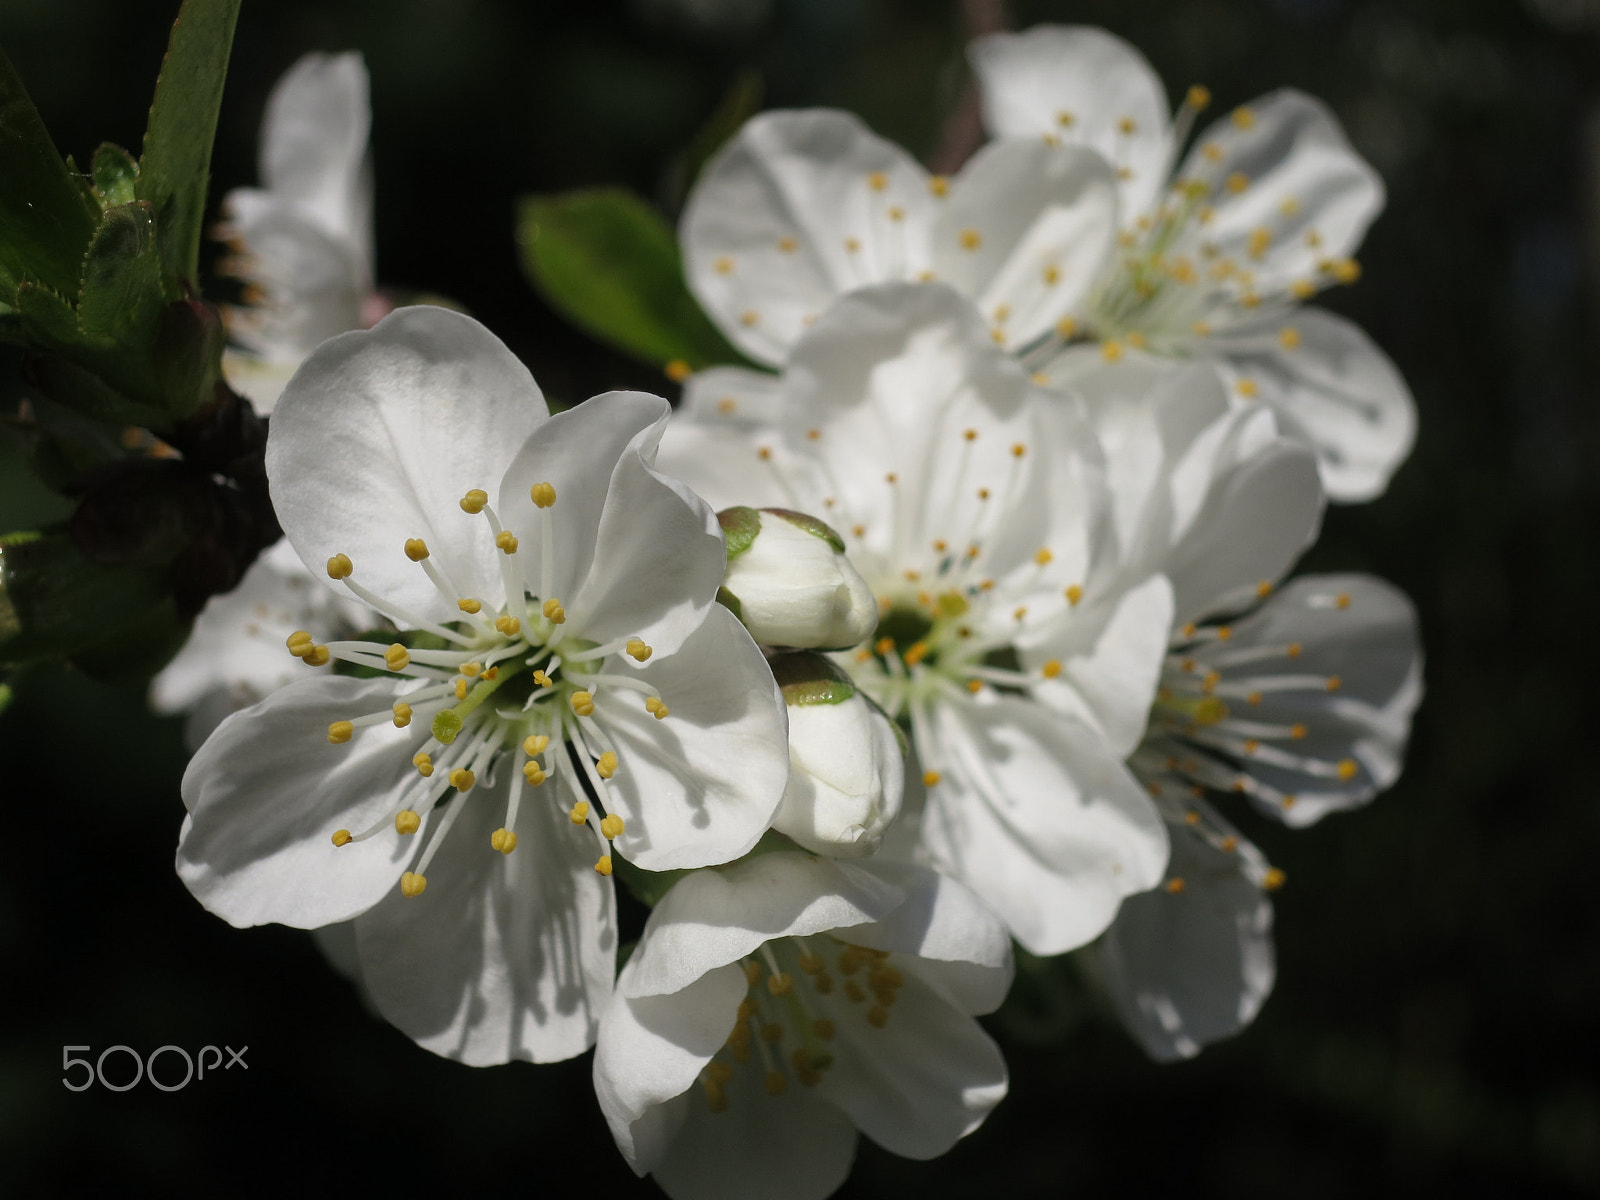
[[915, 653], [341, 837], [474, 501], [1198, 97], [492, 673], [540, 678], [877, 181], [402, 714], [505, 542], [1236, 183], [579, 813], [1066, 328], [1051, 669], [553, 612], [340, 567], [970, 435], [788, 245], [1334, 683], [1019, 612], [582, 703], [416, 549], [1111, 351], [1302, 289], [1052, 276], [1347, 769], [814, 434], [423, 762], [1074, 593], [340, 732], [412, 884], [603, 864], [1042, 556], [461, 689], [396, 657], [931, 778], [535, 744], [1018, 450], [1224, 632], [468, 605], [891, 477], [1191, 817], [723, 266], [471, 669], [543, 494], [1127, 125], [607, 766], [533, 773], [1293, 650], [983, 493], [1243, 117], [1273, 879], [656, 709], [974, 686], [638, 650], [1287, 802], [611, 827], [462, 779], [677, 370], [503, 840], [971, 239], [1346, 270], [939, 185], [508, 625], [1246, 388], [1175, 885], [1228, 844], [883, 646], [300, 643], [407, 822], [748, 318], [1065, 119], [1297, 731], [1342, 601]]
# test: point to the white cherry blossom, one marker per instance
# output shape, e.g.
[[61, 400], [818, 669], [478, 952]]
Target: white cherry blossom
[[565, 687]]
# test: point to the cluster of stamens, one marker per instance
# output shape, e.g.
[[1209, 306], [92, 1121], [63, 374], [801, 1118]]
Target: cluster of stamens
[[494, 685]]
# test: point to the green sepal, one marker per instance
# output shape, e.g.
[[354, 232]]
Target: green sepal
[[807, 678], [609, 263], [816, 528], [175, 163], [115, 173], [740, 525], [120, 297]]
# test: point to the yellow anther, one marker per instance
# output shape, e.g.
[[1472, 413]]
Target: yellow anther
[[1297, 731], [508, 625], [1247, 388], [412, 884], [1210, 711], [607, 766], [1127, 125], [727, 406], [811, 964], [1292, 650], [540, 678], [462, 779], [1253, 698], [1209, 683], [851, 245], [535, 744], [579, 812], [877, 1016], [1074, 593], [752, 976], [974, 686], [340, 732], [1136, 340], [1342, 601], [1251, 746], [1018, 450], [1273, 879], [341, 837], [1039, 379], [1191, 818], [748, 319], [474, 501], [543, 494], [470, 669], [503, 840], [895, 213], [788, 245], [553, 612], [781, 984], [603, 864], [1243, 117], [1236, 182], [300, 643], [723, 265], [505, 542], [1065, 119], [1289, 337], [1200, 329], [1066, 328], [931, 778], [915, 653], [638, 650], [423, 762], [877, 181], [416, 549], [468, 605], [1224, 632], [1260, 241], [1228, 844], [1287, 802], [656, 709], [1198, 97], [533, 773], [396, 657], [776, 1083], [461, 689], [1052, 276], [611, 826], [939, 185], [1346, 270], [340, 567], [1334, 683], [1175, 885], [971, 239], [582, 703], [1111, 351], [1051, 669], [407, 822], [1189, 630], [402, 714], [1347, 769], [1211, 152], [677, 370]]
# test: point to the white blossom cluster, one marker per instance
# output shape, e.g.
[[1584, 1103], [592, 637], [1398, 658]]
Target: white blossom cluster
[[962, 622]]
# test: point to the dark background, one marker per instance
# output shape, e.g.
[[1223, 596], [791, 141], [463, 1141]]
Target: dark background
[[1434, 1021]]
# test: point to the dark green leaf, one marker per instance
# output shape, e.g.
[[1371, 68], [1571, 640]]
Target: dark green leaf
[[176, 160], [120, 297], [607, 262], [46, 219], [115, 174]]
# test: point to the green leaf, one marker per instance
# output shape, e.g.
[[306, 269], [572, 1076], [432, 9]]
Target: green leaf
[[47, 316], [116, 172], [606, 261], [176, 160], [46, 219], [120, 297]]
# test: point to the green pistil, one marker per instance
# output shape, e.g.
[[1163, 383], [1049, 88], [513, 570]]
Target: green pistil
[[448, 723]]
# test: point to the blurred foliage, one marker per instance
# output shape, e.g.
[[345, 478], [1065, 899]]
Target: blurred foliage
[[1439, 953]]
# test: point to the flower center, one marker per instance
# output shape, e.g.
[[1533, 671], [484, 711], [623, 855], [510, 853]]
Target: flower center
[[515, 683]]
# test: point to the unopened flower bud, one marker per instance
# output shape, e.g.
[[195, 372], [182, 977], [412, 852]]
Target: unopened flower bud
[[846, 761], [790, 583]]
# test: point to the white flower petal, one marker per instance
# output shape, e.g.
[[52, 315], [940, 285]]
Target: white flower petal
[[1035, 815], [713, 918], [790, 214], [1312, 194], [1190, 967], [720, 461], [1025, 232], [378, 437], [503, 957], [314, 144], [1079, 84], [701, 785], [923, 1081], [266, 793], [1335, 390], [735, 395]]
